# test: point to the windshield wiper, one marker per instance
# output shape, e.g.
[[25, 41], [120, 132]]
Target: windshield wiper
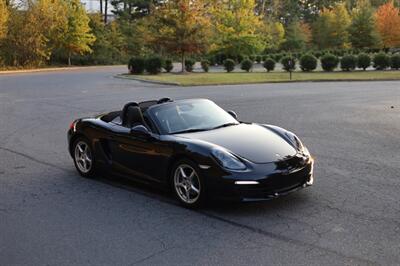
[[190, 130], [225, 125]]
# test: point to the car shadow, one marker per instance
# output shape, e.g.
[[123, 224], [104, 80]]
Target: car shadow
[[164, 195]]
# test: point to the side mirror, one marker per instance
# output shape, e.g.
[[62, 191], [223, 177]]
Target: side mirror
[[233, 114], [141, 130]]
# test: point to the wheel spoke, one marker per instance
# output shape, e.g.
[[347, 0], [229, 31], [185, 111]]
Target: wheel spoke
[[182, 172], [195, 189], [187, 192], [80, 149]]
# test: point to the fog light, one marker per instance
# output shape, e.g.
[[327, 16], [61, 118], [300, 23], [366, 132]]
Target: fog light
[[247, 182]]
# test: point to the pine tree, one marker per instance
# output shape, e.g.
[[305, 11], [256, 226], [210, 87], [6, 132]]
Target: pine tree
[[362, 28]]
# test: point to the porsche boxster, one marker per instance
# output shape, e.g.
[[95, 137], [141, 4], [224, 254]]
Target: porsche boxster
[[194, 147]]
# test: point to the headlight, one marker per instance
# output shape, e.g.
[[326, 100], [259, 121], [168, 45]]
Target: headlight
[[227, 159]]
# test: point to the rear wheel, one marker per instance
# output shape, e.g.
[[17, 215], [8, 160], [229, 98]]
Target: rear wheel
[[84, 157], [188, 184]]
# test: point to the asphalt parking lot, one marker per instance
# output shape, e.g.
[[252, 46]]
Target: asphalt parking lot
[[51, 216]]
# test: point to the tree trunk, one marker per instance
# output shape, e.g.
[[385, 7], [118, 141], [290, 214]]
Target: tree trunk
[[101, 6], [105, 11], [69, 59], [183, 63]]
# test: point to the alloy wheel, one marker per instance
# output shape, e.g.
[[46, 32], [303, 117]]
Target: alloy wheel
[[187, 184], [83, 157]]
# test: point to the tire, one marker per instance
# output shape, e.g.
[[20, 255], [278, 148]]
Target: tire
[[83, 156], [187, 184]]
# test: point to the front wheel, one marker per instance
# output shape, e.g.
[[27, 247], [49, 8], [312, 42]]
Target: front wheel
[[84, 157], [188, 184]]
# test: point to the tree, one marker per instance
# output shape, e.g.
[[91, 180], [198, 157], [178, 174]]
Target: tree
[[238, 30], [296, 36], [362, 28], [388, 24], [110, 46], [340, 24], [322, 30], [180, 27], [25, 43], [274, 34], [78, 38], [132, 9], [330, 28], [4, 14]]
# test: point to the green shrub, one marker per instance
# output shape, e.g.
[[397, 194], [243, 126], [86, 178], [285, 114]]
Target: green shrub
[[136, 65], [329, 62], [205, 65], [258, 59], [395, 61], [229, 65], [246, 65], [269, 64], [239, 58], [348, 62], [168, 65], [252, 57], [189, 63], [220, 58], [264, 57], [363, 61], [154, 65], [288, 63], [308, 62], [381, 61]]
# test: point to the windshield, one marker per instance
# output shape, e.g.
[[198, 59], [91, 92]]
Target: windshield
[[190, 116]]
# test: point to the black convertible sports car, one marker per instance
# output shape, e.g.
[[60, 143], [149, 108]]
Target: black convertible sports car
[[198, 149]]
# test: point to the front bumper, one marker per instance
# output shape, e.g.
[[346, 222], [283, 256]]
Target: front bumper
[[267, 182]]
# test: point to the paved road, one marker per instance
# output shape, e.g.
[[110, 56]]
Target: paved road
[[51, 216]]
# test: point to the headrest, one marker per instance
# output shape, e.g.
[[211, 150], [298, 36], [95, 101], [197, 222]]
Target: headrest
[[125, 109], [133, 117]]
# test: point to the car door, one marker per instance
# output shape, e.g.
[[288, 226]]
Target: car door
[[139, 155]]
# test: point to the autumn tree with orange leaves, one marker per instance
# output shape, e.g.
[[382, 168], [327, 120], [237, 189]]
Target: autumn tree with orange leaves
[[388, 24]]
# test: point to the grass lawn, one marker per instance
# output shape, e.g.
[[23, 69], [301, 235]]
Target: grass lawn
[[192, 79]]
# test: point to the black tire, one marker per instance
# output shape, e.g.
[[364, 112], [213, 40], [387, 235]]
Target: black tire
[[197, 181], [90, 171]]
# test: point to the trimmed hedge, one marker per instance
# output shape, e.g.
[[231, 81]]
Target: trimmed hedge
[[258, 59], [363, 61], [329, 62], [205, 65], [154, 65], [395, 61], [288, 63], [348, 62], [308, 62], [381, 61], [229, 65], [246, 65], [269, 64], [136, 65], [168, 65], [189, 63]]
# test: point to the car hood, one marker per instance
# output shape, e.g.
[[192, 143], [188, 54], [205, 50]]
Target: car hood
[[250, 141]]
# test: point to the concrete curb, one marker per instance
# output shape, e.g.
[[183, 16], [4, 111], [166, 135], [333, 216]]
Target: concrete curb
[[122, 76], [54, 69]]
